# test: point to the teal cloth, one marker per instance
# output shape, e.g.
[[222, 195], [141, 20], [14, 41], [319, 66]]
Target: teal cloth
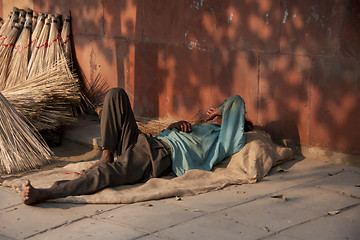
[[208, 144]]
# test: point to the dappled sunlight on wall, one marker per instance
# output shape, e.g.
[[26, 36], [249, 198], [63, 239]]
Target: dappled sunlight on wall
[[295, 62]]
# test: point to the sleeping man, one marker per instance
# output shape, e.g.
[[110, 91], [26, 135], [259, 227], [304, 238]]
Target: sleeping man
[[176, 149]]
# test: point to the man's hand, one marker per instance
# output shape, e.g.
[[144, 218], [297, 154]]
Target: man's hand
[[212, 113], [182, 126]]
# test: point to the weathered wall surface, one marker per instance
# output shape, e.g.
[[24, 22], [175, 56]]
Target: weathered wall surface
[[295, 62]]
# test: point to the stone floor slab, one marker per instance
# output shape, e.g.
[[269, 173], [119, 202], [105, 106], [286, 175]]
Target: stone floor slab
[[90, 229], [346, 182], [212, 227], [280, 236], [9, 198], [149, 216], [269, 213], [22, 221], [317, 199], [212, 201], [3, 237], [288, 175], [81, 210], [153, 237], [344, 225]]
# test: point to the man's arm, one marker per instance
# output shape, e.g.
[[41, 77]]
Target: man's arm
[[182, 126], [232, 136], [212, 115]]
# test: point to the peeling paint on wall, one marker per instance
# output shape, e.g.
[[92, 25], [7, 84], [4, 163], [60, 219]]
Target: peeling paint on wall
[[192, 44], [333, 12], [286, 14], [197, 4], [267, 18], [230, 18], [329, 32], [195, 44], [315, 16], [186, 34]]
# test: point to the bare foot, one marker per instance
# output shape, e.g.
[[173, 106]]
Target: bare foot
[[31, 195], [107, 157]]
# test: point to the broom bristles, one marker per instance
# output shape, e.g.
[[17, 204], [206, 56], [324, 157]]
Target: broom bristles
[[54, 51], [11, 16], [5, 24], [17, 69], [46, 104], [29, 14], [36, 33], [13, 19], [37, 59], [50, 88], [5, 54], [7, 30], [21, 146], [34, 21], [65, 38]]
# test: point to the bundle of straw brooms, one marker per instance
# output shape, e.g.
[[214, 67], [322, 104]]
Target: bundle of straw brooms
[[36, 84]]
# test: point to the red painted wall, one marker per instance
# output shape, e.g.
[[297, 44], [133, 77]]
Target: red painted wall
[[295, 62]]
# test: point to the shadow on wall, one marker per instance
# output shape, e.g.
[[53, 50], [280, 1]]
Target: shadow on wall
[[296, 63]]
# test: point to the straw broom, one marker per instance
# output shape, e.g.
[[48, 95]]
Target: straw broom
[[21, 146], [36, 33], [44, 99], [21, 23], [37, 59], [22, 13], [36, 30], [9, 24], [22, 16], [34, 21], [47, 104], [54, 51], [5, 24], [17, 69], [9, 27], [5, 53], [58, 17], [12, 15], [65, 38], [67, 52], [52, 81], [28, 16]]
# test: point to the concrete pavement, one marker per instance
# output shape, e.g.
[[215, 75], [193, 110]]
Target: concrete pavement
[[304, 199]]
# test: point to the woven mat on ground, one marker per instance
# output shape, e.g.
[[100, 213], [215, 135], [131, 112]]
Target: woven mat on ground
[[247, 166]]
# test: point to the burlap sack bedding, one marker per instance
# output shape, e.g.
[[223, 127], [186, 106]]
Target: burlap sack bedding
[[247, 166]]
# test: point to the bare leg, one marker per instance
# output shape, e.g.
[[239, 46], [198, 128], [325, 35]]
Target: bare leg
[[31, 195]]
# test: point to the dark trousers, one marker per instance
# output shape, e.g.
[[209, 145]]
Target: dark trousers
[[140, 157]]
